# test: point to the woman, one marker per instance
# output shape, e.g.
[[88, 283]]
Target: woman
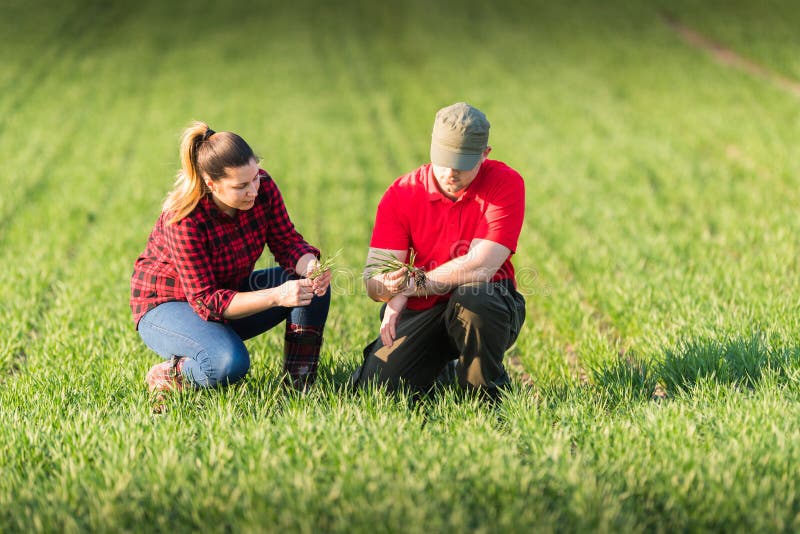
[[194, 294]]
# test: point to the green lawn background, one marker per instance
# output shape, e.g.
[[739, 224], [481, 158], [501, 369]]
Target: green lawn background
[[659, 248]]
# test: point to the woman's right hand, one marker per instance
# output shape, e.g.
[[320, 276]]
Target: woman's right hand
[[295, 293]]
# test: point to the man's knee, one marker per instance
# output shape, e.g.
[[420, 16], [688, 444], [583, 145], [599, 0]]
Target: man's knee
[[372, 372]]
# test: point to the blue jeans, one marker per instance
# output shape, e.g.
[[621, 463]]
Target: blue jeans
[[215, 353]]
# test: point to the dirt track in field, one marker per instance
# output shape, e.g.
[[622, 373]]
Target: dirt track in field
[[726, 56]]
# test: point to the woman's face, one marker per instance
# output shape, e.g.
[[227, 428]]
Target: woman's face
[[236, 190]]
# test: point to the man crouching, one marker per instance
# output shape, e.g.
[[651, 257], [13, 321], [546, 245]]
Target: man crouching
[[440, 258]]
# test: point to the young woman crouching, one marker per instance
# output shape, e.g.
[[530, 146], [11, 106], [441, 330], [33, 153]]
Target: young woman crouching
[[194, 294]]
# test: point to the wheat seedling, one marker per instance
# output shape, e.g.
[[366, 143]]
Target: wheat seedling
[[388, 263], [324, 265]]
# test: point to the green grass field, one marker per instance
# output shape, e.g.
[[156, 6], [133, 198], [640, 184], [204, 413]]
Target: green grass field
[[659, 252]]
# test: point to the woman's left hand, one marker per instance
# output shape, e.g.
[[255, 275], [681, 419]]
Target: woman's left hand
[[320, 283]]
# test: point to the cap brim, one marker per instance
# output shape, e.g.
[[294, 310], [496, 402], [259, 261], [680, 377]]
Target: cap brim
[[453, 160]]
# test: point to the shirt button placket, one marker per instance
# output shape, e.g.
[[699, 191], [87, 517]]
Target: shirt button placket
[[453, 216]]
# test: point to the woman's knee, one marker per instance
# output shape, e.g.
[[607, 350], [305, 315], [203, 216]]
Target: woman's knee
[[321, 304], [227, 365]]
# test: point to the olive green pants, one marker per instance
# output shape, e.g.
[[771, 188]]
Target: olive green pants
[[476, 326]]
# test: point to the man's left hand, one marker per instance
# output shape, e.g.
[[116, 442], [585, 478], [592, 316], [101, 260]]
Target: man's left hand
[[389, 324]]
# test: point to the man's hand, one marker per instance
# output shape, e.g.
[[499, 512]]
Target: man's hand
[[389, 324], [394, 282], [383, 286]]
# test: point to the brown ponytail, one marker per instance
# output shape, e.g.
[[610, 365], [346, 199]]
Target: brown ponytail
[[204, 153]]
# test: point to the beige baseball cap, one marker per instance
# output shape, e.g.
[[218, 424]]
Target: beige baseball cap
[[460, 135]]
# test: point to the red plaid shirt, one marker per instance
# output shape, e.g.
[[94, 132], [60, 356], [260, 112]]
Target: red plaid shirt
[[204, 258]]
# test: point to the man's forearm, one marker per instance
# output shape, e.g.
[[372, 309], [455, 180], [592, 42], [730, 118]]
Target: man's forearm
[[478, 265], [450, 275]]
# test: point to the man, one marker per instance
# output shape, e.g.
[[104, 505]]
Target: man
[[461, 215]]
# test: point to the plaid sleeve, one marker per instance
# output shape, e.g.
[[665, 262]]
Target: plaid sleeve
[[285, 243], [187, 245]]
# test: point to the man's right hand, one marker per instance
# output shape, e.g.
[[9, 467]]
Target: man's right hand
[[394, 282]]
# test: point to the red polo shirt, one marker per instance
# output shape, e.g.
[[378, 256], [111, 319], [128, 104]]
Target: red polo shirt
[[414, 213]]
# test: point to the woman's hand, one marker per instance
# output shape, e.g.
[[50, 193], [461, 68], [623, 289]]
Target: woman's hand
[[389, 324], [295, 293], [319, 285]]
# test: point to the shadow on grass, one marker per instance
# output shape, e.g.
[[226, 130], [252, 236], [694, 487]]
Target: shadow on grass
[[336, 374], [740, 362], [624, 380], [735, 361]]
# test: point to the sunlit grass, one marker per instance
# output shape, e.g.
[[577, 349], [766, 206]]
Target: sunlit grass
[[658, 261]]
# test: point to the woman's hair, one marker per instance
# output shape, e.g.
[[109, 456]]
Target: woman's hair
[[204, 153]]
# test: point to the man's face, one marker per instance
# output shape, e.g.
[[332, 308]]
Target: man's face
[[451, 181]]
